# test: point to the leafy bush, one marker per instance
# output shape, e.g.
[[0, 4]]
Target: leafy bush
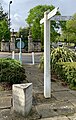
[[60, 54], [67, 71], [63, 62], [11, 71], [41, 65]]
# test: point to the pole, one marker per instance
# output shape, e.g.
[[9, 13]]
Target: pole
[[47, 82], [20, 54], [9, 15], [9, 22], [9, 26], [33, 59], [13, 55]]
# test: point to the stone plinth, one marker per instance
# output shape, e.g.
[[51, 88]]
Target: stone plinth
[[34, 46], [12, 41], [12, 46], [22, 98], [4, 46]]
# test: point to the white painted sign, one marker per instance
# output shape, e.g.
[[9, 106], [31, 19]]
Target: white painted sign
[[51, 14]]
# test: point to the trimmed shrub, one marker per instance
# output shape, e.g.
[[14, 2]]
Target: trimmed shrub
[[41, 65], [67, 71], [60, 54], [11, 71]]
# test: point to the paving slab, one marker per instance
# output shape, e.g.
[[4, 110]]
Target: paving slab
[[56, 86], [39, 89], [5, 93], [56, 118], [73, 101], [5, 102], [56, 108], [73, 92], [45, 111], [4, 113], [40, 99], [72, 117], [63, 95], [8, 114]]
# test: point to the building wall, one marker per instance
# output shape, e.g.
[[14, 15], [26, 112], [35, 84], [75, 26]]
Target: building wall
[[33, 46], [4, 46]]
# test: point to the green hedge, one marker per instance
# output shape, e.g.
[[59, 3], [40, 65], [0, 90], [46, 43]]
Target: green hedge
[[67, 71], [62, 54], [59, 54], [11, 71]]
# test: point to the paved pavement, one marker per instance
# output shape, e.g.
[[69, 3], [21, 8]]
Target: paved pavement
[[61, 105], [26, 57]]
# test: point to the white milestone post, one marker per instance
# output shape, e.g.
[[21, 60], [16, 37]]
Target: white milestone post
[[13, 55], [47, 77], [33, 59], [20, 54]]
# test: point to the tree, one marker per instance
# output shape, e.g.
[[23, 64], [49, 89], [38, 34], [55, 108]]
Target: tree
[[71, 29], [71, 24], [2, 14], [4, 30], [33, 19], [69, 33]]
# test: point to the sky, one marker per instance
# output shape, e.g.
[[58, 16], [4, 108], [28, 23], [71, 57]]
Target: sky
[[19, 9]]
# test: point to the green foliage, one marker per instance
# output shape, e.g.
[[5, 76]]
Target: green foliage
[[34, 17], [36, 30], [71, 24], [67, 71], [69, 32], [37, 13], [3, 16], [4, 31], [60, 54], [11, 71], [63, 62], [41, 65]]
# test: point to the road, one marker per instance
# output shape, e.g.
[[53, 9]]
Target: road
[[26, 57]]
